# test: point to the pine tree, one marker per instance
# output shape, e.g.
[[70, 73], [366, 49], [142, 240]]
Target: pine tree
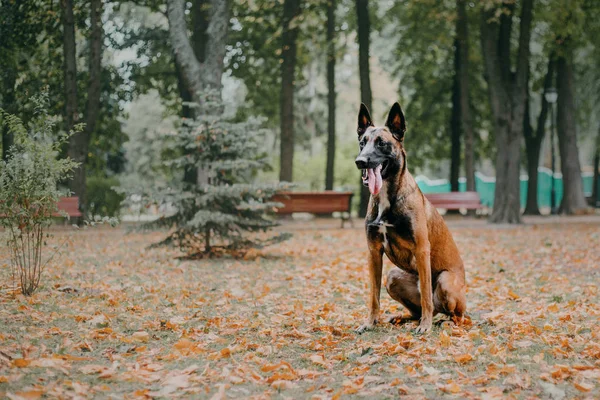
[[227, 212]]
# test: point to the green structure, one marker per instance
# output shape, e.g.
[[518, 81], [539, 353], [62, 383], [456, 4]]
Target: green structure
[[486, 185]]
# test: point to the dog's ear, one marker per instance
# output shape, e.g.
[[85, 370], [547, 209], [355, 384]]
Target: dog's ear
[[364, 119], [396, 122]]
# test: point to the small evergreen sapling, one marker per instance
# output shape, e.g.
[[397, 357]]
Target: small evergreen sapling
[[224, 211]]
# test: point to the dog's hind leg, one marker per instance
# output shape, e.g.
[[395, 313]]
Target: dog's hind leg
[[404, 288], [449, 295]]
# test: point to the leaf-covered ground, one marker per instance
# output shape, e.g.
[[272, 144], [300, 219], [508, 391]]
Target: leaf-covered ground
[[116, 319]]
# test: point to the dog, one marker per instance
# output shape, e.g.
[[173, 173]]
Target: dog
[[401, 223]]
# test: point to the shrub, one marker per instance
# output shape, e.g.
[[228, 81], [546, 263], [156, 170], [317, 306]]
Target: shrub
[[102, 198], [28, 190]]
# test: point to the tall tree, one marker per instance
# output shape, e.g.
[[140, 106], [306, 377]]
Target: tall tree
[[364, 42], [79, 142], [533, 141], [329, 171], [455, 122], [289, 36], [596, 176], [462, 43], [573, 200], [508, 93], [70, 65]]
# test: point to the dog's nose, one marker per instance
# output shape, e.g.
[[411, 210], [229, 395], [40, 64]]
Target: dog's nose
[[361, 162]]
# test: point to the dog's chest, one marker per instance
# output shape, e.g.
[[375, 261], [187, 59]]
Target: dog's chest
[[394, 225]]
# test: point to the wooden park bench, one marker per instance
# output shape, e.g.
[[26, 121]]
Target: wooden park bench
[[69, 205], [455, 200], [325, 202]]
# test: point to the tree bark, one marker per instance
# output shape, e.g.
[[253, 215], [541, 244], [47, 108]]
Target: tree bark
[[70, 65], [76, 149], [331, 58], [291, 10], [533, 141], [200, 18], [462, 33], [191, 68], [364, 42], [507, 92], [79, 142], [455, 123], [8, 86], [596, 184], [573, 201]]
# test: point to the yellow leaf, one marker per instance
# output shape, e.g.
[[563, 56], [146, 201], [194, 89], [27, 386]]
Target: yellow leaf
[[463, 358], [21, 362], [30, 394], [583, 386]]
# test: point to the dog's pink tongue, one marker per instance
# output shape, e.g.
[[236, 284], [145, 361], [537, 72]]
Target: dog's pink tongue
[[375, 181]]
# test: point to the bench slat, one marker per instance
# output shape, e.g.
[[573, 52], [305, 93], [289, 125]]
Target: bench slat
[[313, 202], [455, 200]]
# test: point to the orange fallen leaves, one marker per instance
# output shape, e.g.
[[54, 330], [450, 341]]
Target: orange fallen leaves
[[284, 323], [463, 358], [21, 363]]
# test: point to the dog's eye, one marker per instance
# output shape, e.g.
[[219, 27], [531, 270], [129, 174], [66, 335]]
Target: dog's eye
[[382, 143]]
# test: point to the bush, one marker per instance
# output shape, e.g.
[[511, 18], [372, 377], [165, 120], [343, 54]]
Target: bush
[[28, 190], [101, 197]]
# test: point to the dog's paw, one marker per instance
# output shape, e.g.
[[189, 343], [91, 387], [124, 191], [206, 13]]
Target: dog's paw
[[400, 319], [365, 327], [424, 326]]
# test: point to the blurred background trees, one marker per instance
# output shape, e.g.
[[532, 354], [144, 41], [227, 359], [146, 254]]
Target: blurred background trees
[[472, 77]]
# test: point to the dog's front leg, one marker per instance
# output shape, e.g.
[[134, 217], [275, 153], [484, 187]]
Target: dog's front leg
[[375, 267], [423, 258]]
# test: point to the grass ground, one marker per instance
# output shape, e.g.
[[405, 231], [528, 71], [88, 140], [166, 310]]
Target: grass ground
[[115, 319]]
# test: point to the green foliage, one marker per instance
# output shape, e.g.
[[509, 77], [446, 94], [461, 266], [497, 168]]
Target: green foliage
[[102, 198], [29, 189], [227, 212]]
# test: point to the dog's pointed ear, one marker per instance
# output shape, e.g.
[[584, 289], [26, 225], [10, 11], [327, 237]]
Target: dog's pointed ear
[[364, 119], [396, 122]]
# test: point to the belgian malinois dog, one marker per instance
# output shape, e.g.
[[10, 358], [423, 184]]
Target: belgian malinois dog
[[401, 223]]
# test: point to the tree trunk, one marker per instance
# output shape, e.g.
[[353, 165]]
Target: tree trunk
[[199, 67], [573, 201], [331, 58], [76, 149], [596, 184], [533, 141], [200, 20], [364, 41], [462, 34], [455, 122], [70, 65], [291, 10], [534, 147], [8, 87], [191, 68], [507, 92], [79, 143]]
